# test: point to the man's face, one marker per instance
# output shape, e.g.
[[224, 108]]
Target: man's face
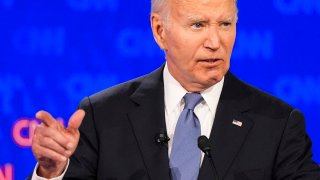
[[198, 40]]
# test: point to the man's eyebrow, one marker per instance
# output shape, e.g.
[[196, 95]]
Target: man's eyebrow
[[229, 18], [195, 18], [201, 18]]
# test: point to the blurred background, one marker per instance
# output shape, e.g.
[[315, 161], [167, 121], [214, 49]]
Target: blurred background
[[54, 53]]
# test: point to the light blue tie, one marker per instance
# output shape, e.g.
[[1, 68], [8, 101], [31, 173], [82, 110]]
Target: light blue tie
[[185, 154]]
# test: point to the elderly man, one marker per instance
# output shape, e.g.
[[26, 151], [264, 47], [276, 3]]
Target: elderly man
[[148, 128]]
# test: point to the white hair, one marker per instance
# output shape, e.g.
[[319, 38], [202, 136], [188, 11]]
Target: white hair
[[160, 6]]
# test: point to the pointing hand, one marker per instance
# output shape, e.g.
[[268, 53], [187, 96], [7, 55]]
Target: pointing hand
[[53, 144]]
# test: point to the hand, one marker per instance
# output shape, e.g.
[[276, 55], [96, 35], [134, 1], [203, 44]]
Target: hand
[[53, 144]]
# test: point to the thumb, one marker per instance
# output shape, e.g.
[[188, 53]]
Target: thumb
[[76, 119]]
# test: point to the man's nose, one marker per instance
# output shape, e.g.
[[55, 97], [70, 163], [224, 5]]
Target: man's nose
[[212, 40]]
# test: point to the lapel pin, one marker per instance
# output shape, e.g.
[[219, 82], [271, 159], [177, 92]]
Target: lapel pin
[[237, 123]]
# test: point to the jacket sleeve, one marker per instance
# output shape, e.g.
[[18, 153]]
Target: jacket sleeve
[[294, 158], [83, 163]]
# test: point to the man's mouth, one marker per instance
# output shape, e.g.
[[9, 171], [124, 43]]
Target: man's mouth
[[208, 60]]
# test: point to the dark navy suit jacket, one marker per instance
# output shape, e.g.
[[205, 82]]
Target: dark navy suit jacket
[[117, 139]]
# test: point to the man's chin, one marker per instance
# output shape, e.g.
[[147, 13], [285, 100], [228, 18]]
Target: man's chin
[[207, 83], [213, 77]]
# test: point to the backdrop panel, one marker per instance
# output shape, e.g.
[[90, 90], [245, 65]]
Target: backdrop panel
[[54, 53]]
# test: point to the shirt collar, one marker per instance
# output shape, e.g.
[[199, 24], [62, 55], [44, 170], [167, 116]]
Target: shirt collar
[[174, 92]]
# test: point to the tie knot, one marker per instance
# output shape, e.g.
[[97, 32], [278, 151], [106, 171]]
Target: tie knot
[[191, 100]]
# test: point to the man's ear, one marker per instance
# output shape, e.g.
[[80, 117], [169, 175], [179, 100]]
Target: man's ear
[[157, 26]]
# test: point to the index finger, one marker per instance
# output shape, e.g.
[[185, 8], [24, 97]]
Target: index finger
[[46, 118]]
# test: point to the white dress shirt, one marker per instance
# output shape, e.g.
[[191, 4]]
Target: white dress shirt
[[174, 104], [36, 177]]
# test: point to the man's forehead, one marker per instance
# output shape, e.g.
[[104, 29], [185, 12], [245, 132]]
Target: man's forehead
[[218, 7], [199, 1], [200, 4]]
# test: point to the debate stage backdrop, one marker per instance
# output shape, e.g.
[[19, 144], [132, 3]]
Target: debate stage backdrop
[[54, 53]]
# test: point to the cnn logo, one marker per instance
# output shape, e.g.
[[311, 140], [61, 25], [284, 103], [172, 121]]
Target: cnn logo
[[6, 172]]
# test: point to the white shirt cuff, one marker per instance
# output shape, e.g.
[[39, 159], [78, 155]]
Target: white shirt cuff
[[36, 177]]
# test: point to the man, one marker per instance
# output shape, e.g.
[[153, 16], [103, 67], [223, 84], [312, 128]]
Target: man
[[123, 132]]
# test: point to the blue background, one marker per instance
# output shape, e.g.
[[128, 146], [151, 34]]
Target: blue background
[[53, 53]]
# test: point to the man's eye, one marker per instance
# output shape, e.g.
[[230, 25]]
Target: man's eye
[[197, 25], [226, 24]]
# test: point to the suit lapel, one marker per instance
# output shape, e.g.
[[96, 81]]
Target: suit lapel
[[226, 139], [230, 128], [147, 118]]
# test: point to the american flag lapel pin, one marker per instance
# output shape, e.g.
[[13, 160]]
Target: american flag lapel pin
[[237, 123]]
